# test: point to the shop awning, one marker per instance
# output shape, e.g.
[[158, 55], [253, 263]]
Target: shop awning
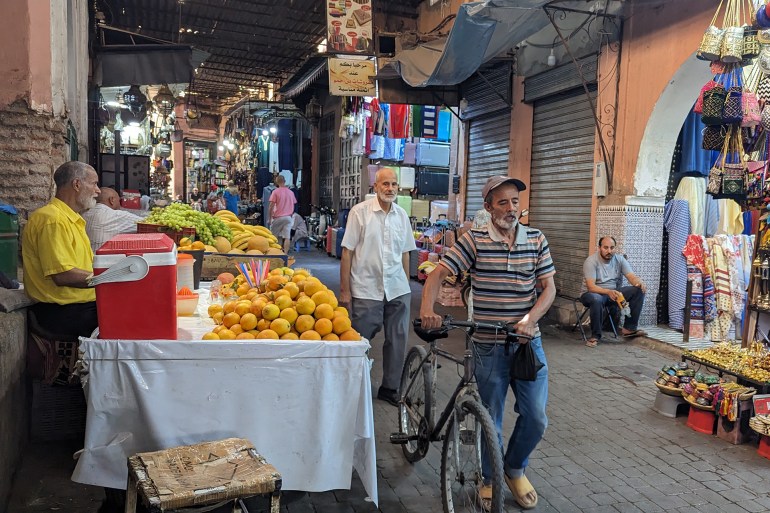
[[481, 31]]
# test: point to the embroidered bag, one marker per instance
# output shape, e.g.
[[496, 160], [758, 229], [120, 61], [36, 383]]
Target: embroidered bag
[[698, 109], [713, 104], [714, 137], [752, 115], [710, 47]]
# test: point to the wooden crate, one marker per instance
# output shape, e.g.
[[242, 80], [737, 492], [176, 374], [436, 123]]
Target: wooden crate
[[215, 264], [176, 236]]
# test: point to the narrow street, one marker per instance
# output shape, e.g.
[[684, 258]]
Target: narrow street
[[605, 450]]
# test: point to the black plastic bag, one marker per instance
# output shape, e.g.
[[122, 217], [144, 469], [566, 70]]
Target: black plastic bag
[[525, 363]]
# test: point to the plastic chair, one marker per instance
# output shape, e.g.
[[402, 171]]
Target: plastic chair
[[303, 243], [580, 316]]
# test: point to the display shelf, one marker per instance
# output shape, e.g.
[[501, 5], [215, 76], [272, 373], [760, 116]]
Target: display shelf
[[762, 387]]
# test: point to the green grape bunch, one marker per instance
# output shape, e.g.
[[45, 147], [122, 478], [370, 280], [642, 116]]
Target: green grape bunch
[[180, 215]]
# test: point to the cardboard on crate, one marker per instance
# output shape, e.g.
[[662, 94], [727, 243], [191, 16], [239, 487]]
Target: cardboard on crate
[[215, 264]]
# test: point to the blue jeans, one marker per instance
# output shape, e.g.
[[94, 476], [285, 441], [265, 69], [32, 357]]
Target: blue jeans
[[596, 303], [493, 368]]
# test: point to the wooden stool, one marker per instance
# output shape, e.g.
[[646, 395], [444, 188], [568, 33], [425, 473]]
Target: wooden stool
[[199, 475]]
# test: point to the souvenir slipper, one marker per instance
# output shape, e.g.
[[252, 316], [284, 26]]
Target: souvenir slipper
[[523, 492]]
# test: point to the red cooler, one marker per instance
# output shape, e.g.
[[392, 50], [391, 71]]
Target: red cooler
[[143, 309]]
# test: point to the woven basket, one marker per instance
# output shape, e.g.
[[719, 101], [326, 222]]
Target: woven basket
[[696, 405], [760, 424], [672, 391]]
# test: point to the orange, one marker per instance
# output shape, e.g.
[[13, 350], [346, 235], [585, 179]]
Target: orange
[[254, 332], [279, 293], [256, 307], [291, 289], [302, 272], [304, 323], [290, 336], [323, 326], [242, 308], [321, 297], [270, 312], [350, 335], [229, 306], [284, 302], [341, 324], [210, 336], [268, 334], [231, 318], [305, 306], [298, 277], [214, 309], [331, 337], [242, 290], [263, 285], [287, 271], [245, 336], [217, 317], [310, 335], [324, 311], [277, 272], [263, 324], [226, 335], [313, 285], [198, 245], [275, 282], [290, 314], [249, 321], [237, 329], [341, 310], [280, 326], [251, 294], [219, 328], [333, 299]]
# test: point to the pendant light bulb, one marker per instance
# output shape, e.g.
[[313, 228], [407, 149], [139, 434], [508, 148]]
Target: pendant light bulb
[[551, 59]]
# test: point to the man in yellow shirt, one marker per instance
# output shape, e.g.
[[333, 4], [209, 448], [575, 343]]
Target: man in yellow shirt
[[57, 255]]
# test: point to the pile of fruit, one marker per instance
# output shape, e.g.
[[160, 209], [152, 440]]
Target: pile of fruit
[[752, 362], [179, 215], [246, 239], [288, 305]]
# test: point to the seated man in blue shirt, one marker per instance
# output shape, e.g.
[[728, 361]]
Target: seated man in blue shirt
[[603, 272]]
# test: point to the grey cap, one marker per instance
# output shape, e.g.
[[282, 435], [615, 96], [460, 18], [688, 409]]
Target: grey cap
[[496, 181]]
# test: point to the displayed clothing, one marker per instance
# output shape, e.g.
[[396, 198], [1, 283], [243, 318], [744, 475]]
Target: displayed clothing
[[693, 190], [274, 157], [430, 122], [444, 125], [730, 217], [393, 149], [398, 121], [286, 149], [288, 176], [266, 193], [676, 220]]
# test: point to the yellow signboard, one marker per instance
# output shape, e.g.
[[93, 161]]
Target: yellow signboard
[[351, 77]]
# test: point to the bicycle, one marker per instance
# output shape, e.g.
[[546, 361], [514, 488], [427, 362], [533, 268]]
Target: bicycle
[[317, 226], [468, 423]]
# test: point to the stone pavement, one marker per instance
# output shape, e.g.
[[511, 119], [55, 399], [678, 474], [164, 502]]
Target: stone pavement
[[604, 451]]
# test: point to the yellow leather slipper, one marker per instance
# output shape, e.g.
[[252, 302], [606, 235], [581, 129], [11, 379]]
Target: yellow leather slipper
[[523, 491]]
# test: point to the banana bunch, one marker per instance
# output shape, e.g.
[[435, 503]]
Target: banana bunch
[[243, 232], [427, 266]]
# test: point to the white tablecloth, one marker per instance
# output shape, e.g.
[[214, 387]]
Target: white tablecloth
[[305, 405]]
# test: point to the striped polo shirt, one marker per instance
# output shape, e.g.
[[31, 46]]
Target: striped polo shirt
[[503, 277]]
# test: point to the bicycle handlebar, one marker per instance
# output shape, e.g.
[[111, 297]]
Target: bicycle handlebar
[[450, 323]]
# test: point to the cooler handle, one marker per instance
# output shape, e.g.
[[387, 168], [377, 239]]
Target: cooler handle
[[131, 268]]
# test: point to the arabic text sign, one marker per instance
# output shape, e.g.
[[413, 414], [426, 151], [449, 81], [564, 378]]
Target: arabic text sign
[[349, 77]]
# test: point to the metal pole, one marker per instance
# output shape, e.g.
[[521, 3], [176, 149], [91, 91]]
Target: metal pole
[[118, 163]]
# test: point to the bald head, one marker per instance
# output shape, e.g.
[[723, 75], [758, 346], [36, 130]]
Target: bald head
[[109, 197]]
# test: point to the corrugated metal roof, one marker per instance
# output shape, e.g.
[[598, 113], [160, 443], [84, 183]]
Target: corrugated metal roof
[[250, 42]]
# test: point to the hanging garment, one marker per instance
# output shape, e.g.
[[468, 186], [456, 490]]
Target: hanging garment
[[444, 125], [730, 217], [394, 149], [398, 121], [694, 157], [274, 157], [430, 122], [417, 120], [693, 190], [712, 216], [263, 151], [676, 220], [377, 147], [286, 149], [695, 275], [724, 300]]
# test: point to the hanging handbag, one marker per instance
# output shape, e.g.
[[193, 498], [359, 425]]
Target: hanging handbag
[[750, 43], [763, 88], [752, 114], [713, 104], [698, 109], [710, 48], [755, 178], [732, 41], [714, 137], [733, 109]]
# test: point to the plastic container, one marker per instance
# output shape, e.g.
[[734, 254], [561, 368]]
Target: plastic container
[[186, 305], [9, 244], [143, 309], [184, 271], [197, 267]]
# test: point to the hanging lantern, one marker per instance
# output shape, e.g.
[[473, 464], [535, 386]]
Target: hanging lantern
[[134, 98], [313, 111], [164, 100]]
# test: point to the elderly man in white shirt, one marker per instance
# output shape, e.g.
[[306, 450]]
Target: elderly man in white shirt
[[374, 275], [107, 220]]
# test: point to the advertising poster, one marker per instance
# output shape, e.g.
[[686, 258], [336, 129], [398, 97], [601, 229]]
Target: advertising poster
[[350, 77], [349, 26]]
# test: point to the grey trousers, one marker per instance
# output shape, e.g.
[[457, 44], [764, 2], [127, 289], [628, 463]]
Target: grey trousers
[[369, 317]]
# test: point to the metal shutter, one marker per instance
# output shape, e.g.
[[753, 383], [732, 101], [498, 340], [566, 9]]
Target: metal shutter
[[488, 148], [489, 130], [562, 182], [326, 164]]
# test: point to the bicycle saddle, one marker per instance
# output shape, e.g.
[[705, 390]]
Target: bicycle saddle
[[429, 335]]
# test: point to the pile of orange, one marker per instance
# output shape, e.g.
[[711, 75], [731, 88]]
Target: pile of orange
[[288, 305]]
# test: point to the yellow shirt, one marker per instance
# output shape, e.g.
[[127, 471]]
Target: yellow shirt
[[55, 241]]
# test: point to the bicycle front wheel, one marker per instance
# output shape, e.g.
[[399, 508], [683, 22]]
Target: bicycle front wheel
[[461, 475], [416, 403]]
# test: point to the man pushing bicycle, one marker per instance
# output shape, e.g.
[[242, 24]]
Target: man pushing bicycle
[[507, 262]]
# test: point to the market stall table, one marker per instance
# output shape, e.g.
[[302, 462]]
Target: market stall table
[[306, 405]]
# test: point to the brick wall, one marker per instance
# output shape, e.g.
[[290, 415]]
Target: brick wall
[[32, 146]]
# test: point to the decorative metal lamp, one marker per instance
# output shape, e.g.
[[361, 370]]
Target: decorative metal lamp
[[313, 111], [164, 100]]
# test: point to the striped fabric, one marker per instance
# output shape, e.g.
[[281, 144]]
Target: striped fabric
[[504, 278], [676, 219]]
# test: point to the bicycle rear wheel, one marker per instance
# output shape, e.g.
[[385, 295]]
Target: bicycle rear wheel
[[461, 460], [414, 410]]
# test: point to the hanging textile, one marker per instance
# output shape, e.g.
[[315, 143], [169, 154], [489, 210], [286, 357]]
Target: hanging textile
[[730, 217], [285, 147], [263, 151], [694, 157], [444, 125], [696, 266], [693, 190], [417, 120], [398, 121], [720, 330], [676, 220], [430, 122]]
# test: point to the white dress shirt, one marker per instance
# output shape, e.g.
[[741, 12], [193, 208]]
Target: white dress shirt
[[103, 223], [378, 241]]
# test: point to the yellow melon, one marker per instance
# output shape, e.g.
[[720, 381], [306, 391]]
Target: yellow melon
[[259, 242], [254, 252], [274, 251], [222, 244]]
